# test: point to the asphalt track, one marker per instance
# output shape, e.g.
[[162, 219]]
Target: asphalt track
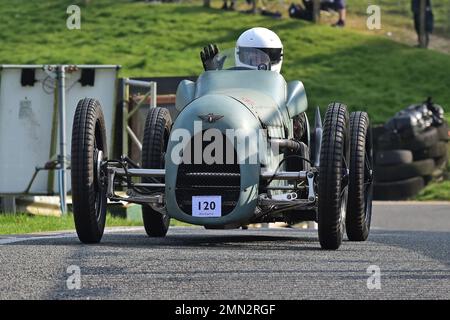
[[409, 244]]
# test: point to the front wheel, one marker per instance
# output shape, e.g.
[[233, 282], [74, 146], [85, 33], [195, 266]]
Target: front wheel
[[333, 177], [359, 208], [89, 151], [156, 137]]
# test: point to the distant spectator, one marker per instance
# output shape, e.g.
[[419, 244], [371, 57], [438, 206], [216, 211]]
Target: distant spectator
[[305, 11], [232, 5], [225, 5], [336, 5], [429, 19], [252, 4]]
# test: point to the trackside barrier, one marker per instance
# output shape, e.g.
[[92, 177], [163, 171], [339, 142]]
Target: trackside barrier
[[128, 113], [37, 106]]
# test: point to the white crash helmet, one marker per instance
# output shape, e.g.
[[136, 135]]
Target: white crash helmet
[[264, 40]]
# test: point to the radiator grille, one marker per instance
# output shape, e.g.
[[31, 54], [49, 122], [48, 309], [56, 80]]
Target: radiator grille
[[208, 179]]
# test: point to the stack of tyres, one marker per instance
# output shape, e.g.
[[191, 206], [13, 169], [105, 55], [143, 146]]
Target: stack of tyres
[[409, 157], [397, 176], [438, 152]]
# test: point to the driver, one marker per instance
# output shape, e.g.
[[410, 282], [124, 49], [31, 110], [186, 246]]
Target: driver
[[248, 50], [248, 55]]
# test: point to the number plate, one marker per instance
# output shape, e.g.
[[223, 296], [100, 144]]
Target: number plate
[[206, 206]]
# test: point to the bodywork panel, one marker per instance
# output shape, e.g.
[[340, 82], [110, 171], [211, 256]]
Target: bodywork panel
[[235, 115], [296, 102], [248, 100]]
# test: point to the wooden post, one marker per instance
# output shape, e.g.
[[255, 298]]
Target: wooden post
[[422, 29], [316, 11]]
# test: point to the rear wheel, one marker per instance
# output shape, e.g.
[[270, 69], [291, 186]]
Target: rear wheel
[[333, 177], [360, 194], [88, 181], [156, 136]]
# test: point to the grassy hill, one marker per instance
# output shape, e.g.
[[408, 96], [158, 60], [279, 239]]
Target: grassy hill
[[398, 13], [366, 72]]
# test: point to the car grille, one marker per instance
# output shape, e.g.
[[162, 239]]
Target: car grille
[[208, 179]]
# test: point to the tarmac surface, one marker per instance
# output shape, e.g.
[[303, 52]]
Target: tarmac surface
[[407, 256]]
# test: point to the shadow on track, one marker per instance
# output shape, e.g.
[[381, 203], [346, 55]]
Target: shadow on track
[[266, 239], [433, 244]]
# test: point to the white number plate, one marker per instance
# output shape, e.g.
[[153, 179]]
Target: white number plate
[[206, 206]]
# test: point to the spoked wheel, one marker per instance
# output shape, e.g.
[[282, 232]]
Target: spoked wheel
[[333, 177], [156, 137], [359, 208], [89, 151]]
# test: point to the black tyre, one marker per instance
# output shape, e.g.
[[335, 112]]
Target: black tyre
[[377, 131], [398, 190], [89, 150], [360, 190], [333, 177], [439, 150], [393, 157], [426, 139], [404, 171], [443, 131], [156, 136], [441, 163]]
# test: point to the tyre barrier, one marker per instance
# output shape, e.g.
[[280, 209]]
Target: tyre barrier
[[443, 132], [392, 140], [377, 131], [441, 163], [398, 190], [404, 171], [393, 157], [438, 150], [405, 161]]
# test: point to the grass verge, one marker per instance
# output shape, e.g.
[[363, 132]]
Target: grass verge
[[435, 191], [27, 223]]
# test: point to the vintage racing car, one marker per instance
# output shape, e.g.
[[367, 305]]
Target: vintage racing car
[[239, 151]]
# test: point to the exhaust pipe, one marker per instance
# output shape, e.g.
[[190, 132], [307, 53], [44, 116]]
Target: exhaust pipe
[[286, 144]]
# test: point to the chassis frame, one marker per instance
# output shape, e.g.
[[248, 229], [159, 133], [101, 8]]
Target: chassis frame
[[116, 173]]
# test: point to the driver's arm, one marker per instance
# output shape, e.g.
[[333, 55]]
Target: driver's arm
[[207, 56]]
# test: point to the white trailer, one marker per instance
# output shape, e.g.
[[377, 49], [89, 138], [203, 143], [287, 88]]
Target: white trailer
[[37, 106]]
